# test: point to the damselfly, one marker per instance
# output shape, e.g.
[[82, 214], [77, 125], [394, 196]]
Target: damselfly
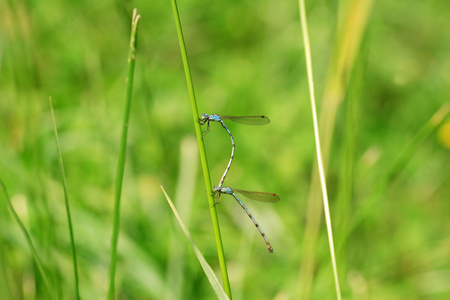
[[259, 196], [248, 120]]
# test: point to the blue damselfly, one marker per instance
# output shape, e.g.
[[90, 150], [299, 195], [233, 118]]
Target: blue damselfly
[[247, 120], [259, 196]]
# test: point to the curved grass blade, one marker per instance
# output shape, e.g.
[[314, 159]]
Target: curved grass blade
[[248, 120], [37, 259], [431, 125], [259, 196], [215, 284]]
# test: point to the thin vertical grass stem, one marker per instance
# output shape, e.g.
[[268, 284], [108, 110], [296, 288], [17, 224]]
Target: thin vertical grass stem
[[308, 59], [201, 146], [66, 201], [122, 153]]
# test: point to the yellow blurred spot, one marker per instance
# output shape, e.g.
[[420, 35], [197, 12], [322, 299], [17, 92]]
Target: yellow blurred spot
[[444, 135]]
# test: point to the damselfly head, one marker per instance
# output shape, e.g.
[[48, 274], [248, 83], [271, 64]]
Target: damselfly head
[[216, 194], [205, 117], [216, 189]]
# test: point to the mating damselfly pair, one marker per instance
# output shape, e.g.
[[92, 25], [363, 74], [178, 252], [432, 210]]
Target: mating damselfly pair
[[220, 189]]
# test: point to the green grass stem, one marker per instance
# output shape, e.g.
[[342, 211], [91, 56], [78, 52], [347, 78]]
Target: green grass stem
[[29, 241], [66, 202], [308, 59], [438, 117], [122, 153], [215, 284], [203, 159], [353, 19]]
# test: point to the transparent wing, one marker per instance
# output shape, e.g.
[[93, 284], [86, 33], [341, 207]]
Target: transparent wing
[[259, 196], [248, 120]]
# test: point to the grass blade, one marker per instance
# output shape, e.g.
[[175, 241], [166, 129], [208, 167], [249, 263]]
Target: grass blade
[[122, 153], [434, 122], [29, 242], [215, 284], [354, 15], [308, 58], [201, 147], [66, 200]]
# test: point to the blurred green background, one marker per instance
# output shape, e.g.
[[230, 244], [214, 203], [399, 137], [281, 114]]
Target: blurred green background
[[247, 58]]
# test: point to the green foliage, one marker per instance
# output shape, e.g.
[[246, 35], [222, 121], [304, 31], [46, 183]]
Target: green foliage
[[389, 211]]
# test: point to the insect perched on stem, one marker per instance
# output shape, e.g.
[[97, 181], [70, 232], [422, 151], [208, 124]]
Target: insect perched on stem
[[247, 120], [258, 196]]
